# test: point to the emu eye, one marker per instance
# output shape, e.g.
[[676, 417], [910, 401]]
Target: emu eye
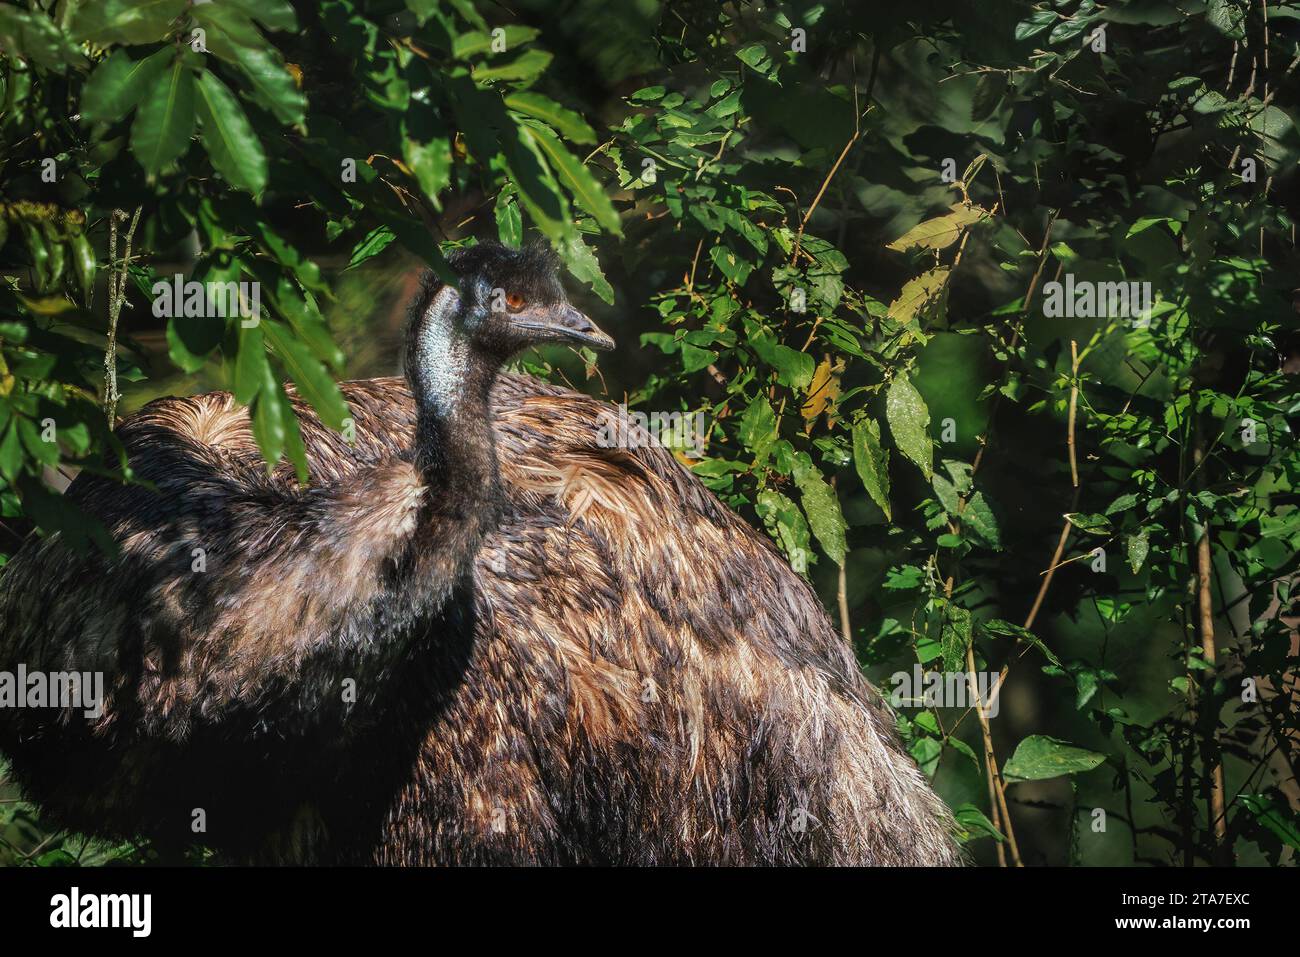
[[514, 301]]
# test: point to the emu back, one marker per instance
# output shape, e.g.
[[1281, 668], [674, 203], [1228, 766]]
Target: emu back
[[634, 676]]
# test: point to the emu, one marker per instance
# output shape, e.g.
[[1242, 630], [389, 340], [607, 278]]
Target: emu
[[557, 653]]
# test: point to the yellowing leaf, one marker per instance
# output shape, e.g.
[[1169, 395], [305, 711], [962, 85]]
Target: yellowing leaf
[[940, 232], [822, 391], [47, 305], [916, 294]]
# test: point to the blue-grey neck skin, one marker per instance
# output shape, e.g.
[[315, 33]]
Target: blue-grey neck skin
[[439, 364], [451, 379]]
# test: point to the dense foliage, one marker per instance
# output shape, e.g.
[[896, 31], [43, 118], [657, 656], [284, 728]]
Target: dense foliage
[[849, 236]]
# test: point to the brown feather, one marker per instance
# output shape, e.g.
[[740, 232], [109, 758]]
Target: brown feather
[[647, 680]]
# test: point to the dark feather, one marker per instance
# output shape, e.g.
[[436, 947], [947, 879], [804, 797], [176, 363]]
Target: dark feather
[[633, 676]]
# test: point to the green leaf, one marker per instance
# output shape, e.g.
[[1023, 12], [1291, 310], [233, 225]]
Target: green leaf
[[955, 636], [793, 368], [756, 57], [1092, 524], [490, 132], [299, 307], [510, 221], [1143, 223], [11, 453], [374, 242], [570, 124], [822, 506], [649, 94], [978, 517], [33, 36], [165, 120], [734, 267], [758, 428], [426, 148], [1227, 17], [125, 21], [586, 191], [962, 748], [582, 262], [119, 84], [228, 137], [423, 9], [273, 84], [272, 14], [909, 423], [1005, 629], [872, 463], [476, 42], [232, 37], [526, 66], [786, 524], [1280, 821], [285, 252], [251, 367], [926, 752], [694, 358], [989, 91], [84, 264], [1039, 757], [1122, 504], [275, 426], [972, 819], [314, 383], [47, 453], [466, 8], [1137, 546], [270, 406], [1068, 29], [191, 339], [228, 29], [184, 345], [1037, 22]]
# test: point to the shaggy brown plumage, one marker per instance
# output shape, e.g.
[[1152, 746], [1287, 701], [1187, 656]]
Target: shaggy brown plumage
[[476, 636], [635, 677]]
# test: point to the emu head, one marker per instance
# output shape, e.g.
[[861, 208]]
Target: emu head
[[504, 301], [511, 299]]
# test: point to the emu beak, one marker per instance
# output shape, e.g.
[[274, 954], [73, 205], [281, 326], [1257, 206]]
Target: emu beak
[[564, 323]]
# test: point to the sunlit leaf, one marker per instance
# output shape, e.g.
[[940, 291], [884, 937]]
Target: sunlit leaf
[[909, 423], [1040, 757], [165, 120]]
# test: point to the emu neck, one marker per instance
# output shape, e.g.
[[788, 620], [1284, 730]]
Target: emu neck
[[455, 444]]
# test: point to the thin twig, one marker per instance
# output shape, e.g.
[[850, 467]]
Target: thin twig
[[1209, 717], [991, 762], [798, 239], [117, 277], [1074, 405], [857, 131], [842, 592]]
